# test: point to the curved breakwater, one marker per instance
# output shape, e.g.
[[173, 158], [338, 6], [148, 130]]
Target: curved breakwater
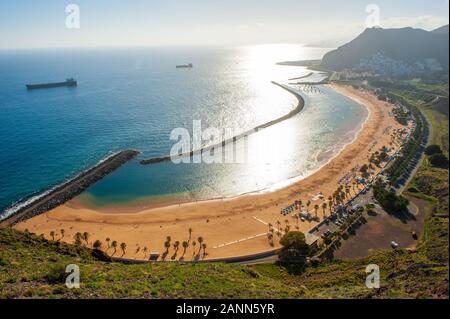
[[302, 77], [66, 191], [296, 110]]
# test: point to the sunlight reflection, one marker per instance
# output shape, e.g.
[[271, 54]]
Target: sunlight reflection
[[272, 151]]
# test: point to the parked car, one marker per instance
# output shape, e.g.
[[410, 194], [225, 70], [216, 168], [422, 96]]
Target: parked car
[[394, 245]]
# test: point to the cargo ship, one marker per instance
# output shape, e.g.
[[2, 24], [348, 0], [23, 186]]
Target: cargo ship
[[185, 66], [69, 82]]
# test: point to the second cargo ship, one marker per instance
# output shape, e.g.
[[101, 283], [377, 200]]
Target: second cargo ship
[[69, 82]]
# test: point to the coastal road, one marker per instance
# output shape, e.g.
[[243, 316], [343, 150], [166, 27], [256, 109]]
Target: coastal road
[[417, 160], [263, 260]]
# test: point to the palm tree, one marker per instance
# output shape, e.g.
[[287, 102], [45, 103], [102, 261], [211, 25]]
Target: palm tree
[[347, 191], [193, 247], [272, 231], [114, 245], [190, 234], [168, 238], [123, 246], [52, 233], [167, 246], [200, 241], [97, 244], [324, 206], [316, 208], [176, 245], [338, 199], [62, 233], [78, 239], [107, 240], [185, 245], [204, 249], [307, 205], [86, 237], [145, 250]]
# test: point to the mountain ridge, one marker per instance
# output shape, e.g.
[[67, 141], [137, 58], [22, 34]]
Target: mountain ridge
[[404, 51]]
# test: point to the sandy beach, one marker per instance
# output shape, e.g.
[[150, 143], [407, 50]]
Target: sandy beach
[[229, 227]]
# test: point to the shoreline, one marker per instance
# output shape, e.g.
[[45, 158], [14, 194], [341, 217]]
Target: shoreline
[[171, 200], [231, 227], [66, 191]]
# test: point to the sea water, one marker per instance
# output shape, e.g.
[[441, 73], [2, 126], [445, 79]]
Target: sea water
[[134, 98]]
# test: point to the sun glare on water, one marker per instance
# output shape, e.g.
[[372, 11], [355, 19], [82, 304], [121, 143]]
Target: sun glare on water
[[271, 150]]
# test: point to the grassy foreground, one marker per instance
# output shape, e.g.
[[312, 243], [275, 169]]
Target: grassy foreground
[[31, 267]]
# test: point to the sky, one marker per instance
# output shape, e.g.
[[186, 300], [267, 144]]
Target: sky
[[38, 24]]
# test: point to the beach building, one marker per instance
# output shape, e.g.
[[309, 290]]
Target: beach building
[[312, 240]]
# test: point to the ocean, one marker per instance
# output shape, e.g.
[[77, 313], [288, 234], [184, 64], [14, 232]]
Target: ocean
[[133, 98]]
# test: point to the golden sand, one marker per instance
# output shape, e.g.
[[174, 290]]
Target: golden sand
[[230, 227]]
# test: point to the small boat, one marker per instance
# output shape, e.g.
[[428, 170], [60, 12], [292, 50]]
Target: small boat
[[190, 65]]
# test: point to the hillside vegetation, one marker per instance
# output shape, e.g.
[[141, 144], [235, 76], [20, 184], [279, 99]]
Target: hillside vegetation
[[31, 267]]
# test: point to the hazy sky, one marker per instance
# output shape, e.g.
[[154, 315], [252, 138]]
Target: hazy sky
[[203, 22]]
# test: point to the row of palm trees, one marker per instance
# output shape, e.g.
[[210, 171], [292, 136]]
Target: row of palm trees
[[338, 197], [343, 193], [97, 244], [185, 244], [53, 234], [83, 239]]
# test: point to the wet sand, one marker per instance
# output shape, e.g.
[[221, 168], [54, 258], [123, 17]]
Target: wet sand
[[230, 227]]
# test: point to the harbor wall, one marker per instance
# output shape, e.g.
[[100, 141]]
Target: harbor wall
[[298, 109], [68, 190]]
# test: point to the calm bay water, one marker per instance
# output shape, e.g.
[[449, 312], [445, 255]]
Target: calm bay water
[[134, 98]]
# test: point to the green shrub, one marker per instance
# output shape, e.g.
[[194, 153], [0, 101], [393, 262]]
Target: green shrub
[[433, 149], [295, 249], [389, 200], [439, 160], [56, 274]]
